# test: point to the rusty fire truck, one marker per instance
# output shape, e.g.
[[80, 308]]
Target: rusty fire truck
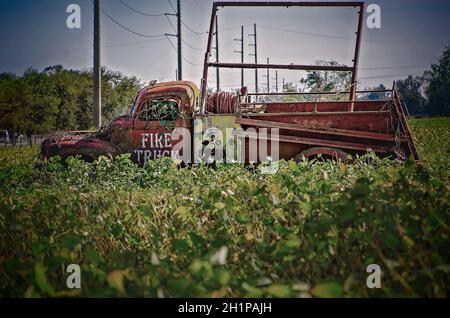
[[337, 129]]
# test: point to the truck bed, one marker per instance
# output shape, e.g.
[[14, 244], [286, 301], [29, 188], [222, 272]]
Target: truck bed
[[376, 125]]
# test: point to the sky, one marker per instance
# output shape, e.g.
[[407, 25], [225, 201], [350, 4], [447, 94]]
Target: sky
[[34, 34]]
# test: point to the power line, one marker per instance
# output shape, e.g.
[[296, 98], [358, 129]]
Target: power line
[[221, 30], [139, 12], [328, 36], [392, 67], [199, 6], [182, 40], [192, 47], [86, 48], [173, 8], [389, 76], [170, 22], [192, 30], [184, 59], [361, 78], [171, 44], [307, 33], [128, 29]]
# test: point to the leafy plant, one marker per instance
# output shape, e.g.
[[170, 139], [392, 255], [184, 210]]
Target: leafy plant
[[161, 231]]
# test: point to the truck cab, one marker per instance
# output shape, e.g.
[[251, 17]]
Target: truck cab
[[146, 132], [329, 125], [157, 111]]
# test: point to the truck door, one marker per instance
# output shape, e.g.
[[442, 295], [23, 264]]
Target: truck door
[[154, 122]]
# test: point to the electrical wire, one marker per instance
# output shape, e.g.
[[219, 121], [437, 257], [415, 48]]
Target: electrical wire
[[171, 24], [184, 59], [192, 30], [192, 47], [173, 8], [199, 6], [392, 67], [307, 33], [139, 12], [130, 30], [132, 43], [328, 36], [388, 76]]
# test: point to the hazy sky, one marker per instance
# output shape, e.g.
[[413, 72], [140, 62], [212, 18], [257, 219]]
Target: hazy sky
[[34, 34]]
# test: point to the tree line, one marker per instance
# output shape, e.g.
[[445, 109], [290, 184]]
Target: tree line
[[60, 99], [425, 95], [428, 94]]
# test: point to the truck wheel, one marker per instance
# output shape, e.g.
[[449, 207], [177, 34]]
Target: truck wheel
[[325, 154]]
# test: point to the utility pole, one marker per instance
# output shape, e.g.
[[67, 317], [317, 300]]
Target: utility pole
[[180, 68], [276, 81], [241, 52], [178, 36], [217, 55], [268, 77], [255, 45], [97, 94]]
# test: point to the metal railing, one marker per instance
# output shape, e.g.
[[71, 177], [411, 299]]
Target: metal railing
[[22, 141]]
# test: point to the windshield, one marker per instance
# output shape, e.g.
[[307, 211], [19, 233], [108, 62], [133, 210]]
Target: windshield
[[159, 109]]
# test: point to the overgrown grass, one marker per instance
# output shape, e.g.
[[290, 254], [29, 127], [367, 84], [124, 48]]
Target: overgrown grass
[[309, 230]]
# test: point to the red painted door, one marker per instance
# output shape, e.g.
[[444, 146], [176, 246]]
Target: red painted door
[[153, 126]]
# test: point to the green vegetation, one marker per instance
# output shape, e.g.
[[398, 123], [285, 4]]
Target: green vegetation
[[309, 230], [426, 95], [434, 83], [60, 99]]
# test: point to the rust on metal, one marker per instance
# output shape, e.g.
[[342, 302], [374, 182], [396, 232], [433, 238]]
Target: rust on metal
[[334, 128], [354, 70], [283, 67], [325, 131], [321, 142]]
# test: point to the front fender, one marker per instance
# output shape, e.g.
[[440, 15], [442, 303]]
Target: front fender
[[87, 147]]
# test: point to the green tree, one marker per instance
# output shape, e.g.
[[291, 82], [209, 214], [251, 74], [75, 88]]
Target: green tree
[[438, 89], [374, 95], [60, 99], [10, 101], [290, 88], [327, 81], [38, 107], [118, 93], [410, 91]]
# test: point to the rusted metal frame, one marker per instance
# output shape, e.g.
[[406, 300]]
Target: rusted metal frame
[[321, 93], [287, 4], [355, 113], [405, 110], [279, 4], [326, 131], [283, 67], [317, 142], [404, 123], [356, 56], [300, 103], [204, 82], [399, 110]]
